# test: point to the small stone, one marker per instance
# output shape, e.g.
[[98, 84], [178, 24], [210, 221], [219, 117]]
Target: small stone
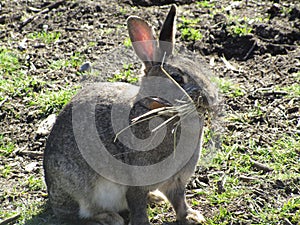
[[30, 167], [46, 125], [236, 5], [22, 45], [45, 27], [86, 67]]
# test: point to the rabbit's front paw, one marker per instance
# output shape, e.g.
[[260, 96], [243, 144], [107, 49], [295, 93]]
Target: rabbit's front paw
[[194, 217], [109, 218]]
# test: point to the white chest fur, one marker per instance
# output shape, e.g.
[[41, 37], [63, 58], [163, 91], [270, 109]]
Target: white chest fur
[[106, 196]]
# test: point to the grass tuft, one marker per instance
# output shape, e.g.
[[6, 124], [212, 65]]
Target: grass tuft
[[227, 87], [52, 101], [188, 30], [45, 36], [125, 75], [6, 146]]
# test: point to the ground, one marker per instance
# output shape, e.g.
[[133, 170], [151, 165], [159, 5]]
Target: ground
[[253, 49]]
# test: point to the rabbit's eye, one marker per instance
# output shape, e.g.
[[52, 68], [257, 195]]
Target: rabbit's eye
[[178, 78]]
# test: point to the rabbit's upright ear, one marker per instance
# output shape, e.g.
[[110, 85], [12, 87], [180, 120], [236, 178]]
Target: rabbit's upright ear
[[142, 39], [167, 33]]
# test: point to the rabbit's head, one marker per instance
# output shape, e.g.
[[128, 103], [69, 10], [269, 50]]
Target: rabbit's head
[[191, 76]]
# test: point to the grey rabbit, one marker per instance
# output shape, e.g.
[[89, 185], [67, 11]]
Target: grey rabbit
[[85, 187]]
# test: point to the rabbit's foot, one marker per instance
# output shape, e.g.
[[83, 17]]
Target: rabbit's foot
[[194, 217], [107, 218], [156, 197]]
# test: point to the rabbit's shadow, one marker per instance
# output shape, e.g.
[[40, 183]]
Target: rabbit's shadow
[[171, 223], [46, 217]]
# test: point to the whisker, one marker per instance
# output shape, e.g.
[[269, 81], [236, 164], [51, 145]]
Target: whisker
[[135, 123], [185, 115], [174, 140], [181, 101], [149, 113], [164, 123]]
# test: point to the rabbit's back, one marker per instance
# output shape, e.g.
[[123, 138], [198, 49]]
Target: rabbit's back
[[70, 180], [99, 96]]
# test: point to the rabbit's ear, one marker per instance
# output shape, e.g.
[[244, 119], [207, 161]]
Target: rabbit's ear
[[167, 33], [142, 39]]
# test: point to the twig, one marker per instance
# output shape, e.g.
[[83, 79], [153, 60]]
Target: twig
[[260, 166], [45, 10], [287, 221], [30, 153], [73, 29], [228, 65], [275, 93], [2, 102], [10, 219], [247, 179], [250, 50]]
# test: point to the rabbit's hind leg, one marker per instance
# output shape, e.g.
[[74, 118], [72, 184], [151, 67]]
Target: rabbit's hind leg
[[63, 206], [175, 192], [80, 213]]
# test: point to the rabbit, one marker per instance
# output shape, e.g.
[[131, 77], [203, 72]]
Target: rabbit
[[81, 185]]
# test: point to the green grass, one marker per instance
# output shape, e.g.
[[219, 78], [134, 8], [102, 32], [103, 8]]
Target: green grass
[[191, 34], [222, 218], [6, 146], [292, 89], [127, 42], [282, 156], [185, 22], [5, 171], [45, 36], [241, 26], [126, 75], [228, 88], [205, 4], [52, 101], [286, 10], [157, 211], [35, 184], [106, 31], [123, 11], [9, 62], [188, 30], [240, 30], [73, 61], [92, 44], [18, 85], [290, 210], [5, 214], [14, 82], [28, 212], [25, 86]]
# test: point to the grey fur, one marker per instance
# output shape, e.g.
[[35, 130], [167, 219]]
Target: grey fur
[[73, 184]]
